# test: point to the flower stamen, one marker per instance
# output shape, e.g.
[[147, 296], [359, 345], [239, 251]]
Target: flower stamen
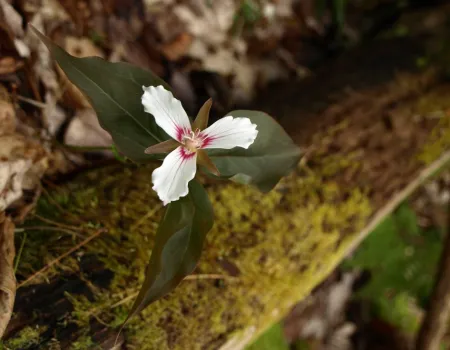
[[192, 141]]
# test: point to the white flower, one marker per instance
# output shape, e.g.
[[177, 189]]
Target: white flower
[[170, 180]]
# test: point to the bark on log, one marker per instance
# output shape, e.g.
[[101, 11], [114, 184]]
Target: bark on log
[[372, 129]]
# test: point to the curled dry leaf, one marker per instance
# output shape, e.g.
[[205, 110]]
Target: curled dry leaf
[[12, 175], [12, 18], [7, 278], [208, 22], [178, 47], [81, 47], [43, 67], [84, 130], [53, 115], [9, 65], [46, 14], [13, 21], [7, 118], [22, 160]]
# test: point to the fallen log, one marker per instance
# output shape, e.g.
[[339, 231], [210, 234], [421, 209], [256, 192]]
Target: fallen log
[[373, 128]]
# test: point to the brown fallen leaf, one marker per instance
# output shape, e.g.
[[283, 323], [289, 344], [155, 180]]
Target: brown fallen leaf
[[81, 47], [210, 22], [178, 47], [7, 278], [84, 130], [9, 65], [23, 160], [7, 113], [13, 21]]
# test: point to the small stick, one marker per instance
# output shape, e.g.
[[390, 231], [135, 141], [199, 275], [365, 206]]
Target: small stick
[[57, 224], [435, 322], [19, 254], [59, 258], [32, 102], [50, 228]]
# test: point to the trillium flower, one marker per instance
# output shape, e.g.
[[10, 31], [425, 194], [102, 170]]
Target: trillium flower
[[170, 180]]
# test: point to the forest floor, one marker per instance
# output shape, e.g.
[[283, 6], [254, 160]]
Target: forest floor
[[229, 50]]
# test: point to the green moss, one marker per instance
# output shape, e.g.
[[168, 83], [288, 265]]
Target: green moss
[[25, 338], [402, 311], [438, 142], [255, 242], [435, 105], [83, 343], [207, 308]]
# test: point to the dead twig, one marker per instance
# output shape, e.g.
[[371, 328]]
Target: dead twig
[[59, 258], [50, 228], [32, 102], [435, 322], [19, 254], [57, 224], [20, 218]]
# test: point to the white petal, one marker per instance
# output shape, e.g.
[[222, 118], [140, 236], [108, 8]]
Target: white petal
[[230, 132], [170, 180], [167, 110]]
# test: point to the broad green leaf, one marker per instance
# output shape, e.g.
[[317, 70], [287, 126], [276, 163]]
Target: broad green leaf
[[115, 91], [272, 155], [178, 245]]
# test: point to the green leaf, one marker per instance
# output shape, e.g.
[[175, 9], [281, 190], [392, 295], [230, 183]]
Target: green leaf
[[178, 245], [272, 155], [402, 280], [115, 91]]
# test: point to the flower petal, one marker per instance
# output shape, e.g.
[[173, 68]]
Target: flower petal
[[170, 180], [167, 111], [230, 132]]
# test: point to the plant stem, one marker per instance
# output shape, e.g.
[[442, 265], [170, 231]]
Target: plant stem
[[58, 259], [435, 321], [19, 254]]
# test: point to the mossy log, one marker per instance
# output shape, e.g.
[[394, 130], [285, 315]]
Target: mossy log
[[372, 128]]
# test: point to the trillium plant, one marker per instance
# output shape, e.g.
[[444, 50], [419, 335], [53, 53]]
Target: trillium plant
[[188, 143], [147, 124]]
